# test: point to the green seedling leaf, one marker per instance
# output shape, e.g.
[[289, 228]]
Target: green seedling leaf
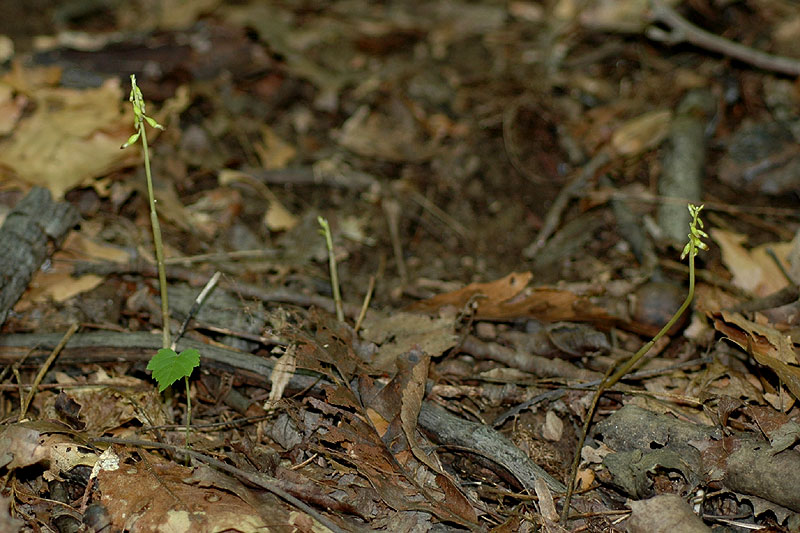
[[168, 366]]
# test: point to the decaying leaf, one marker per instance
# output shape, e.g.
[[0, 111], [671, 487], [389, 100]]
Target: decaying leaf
[[71, 137], [411, 401], [281, 374], [509, 298], [768, 346], [401, 332], [642, 133], [128, 490], [753, 270]]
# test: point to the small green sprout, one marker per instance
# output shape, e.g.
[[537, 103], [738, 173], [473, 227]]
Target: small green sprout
[[325, 231]]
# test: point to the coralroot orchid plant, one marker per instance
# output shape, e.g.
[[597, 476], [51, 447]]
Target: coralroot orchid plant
[[167, 365], [695, 244]]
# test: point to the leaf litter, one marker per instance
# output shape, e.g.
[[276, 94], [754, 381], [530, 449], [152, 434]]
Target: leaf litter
[[495, 177]]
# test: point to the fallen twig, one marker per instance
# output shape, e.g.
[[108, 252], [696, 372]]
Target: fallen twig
[[681, 30], [44, 368], [451, 430]]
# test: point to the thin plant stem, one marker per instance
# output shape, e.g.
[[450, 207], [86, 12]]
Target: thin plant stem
[[188, 411], [608, 382], [167, 351], [157, 242], [337, 297]]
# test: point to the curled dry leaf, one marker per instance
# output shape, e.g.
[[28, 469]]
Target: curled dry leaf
[[410, 404], [281, 374], [80, 131], [753, 270], [768, 346], [509, 298]]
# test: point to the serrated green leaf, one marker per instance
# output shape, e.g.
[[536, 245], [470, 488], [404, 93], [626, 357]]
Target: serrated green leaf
[[168, 366]]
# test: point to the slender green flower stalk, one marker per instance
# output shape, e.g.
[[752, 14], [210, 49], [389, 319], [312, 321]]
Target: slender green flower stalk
[[695, 244], [139, 119], [167, 365]]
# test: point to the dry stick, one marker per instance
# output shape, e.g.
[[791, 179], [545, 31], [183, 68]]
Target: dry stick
[[365, 304], [45, 366], [392, 209], [557, 393], [14, 368], [451, 430], [221, 257], [683, 162], [711, 205], [259, 480], [566, 194], [682, 30], [193, 277], [198, 303], [438, 213]]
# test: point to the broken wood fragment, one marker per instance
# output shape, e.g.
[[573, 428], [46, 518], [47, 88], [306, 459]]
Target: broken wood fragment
[[31, 233]]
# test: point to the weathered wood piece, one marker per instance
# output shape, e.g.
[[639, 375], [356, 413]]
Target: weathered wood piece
[[450, 429], [30, 233], [744, 463], [684, 162], [112, 346]]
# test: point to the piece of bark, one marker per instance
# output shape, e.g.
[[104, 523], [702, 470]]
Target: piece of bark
[[545, 367], [112, 346], [449, 429], [754, 468], [198, 279], [31, 232], [665, 513], [743, 462], [683, 164]]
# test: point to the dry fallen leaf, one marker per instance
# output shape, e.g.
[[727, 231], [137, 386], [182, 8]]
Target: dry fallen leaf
[[509, 298], [136, 501], [753, 270], [364, 134], [273, 151], [71, 137], [410, 403], [400, 332], [276, 217], [768, 346], [642, 133], [281, 375]]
